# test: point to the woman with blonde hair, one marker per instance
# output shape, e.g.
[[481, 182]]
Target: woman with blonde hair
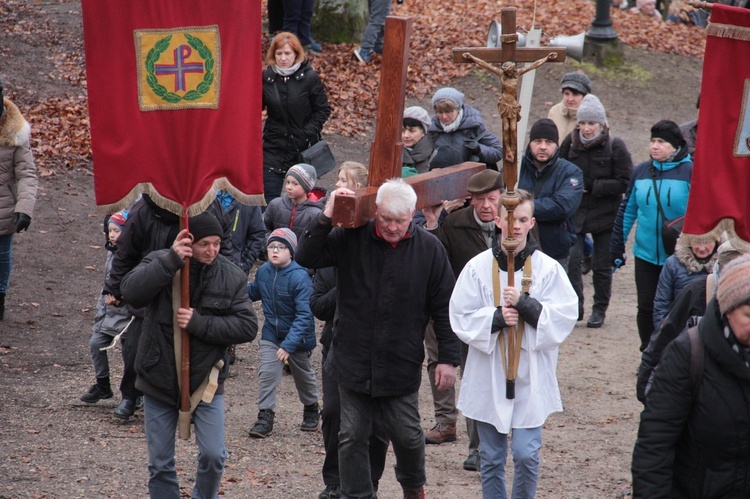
[[297, 107]]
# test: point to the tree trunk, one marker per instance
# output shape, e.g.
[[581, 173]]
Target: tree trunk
[[340, 21]]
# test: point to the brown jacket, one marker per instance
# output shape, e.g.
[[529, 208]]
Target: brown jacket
[[18, 181]]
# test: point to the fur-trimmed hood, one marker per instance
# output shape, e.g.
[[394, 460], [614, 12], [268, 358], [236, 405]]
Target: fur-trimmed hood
[[14, 129], [686, 257]]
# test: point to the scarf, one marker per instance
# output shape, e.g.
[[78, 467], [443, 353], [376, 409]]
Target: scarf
[[586, 141], [519, 258], [288, 71], [454, 126], [488, 228]]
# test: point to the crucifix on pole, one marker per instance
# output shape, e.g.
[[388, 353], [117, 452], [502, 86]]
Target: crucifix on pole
[[386, 151], [510, 114]]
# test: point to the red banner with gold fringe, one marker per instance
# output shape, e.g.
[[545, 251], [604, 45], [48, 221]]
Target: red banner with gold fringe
[[720, 184], [174, 100]]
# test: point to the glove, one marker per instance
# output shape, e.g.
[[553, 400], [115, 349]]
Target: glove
[[588, 184], [618, 260], [21, 221], [472, 146]]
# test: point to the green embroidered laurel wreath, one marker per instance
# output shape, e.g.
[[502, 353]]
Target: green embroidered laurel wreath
[[161, 90]]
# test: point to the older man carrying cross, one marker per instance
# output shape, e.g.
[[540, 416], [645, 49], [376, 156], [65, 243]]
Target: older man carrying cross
[[393, 278]]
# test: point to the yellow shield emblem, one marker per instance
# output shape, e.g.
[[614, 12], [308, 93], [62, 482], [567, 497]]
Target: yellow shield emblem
[[178, 68]]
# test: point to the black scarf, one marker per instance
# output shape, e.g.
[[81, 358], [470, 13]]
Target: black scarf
[[519, 258]]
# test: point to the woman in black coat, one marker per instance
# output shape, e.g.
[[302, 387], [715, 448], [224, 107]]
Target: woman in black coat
[[606, 165], [694, 435], [296, 106]]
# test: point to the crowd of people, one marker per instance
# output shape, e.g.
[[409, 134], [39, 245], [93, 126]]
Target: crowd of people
[[411, 286]]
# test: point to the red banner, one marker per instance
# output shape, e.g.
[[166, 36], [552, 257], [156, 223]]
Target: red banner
[[174, 100], [720, 184]]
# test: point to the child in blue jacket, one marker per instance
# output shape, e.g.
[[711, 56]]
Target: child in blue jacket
[[288, 331]]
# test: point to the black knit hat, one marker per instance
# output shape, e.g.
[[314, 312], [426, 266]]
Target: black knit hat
[[545, 129], [204, 225], [444, 157], [668, 131]]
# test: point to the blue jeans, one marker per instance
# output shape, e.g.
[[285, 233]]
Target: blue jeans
[[161, 424], [372, 38], [6, 261], [493, 450], [402, 423]]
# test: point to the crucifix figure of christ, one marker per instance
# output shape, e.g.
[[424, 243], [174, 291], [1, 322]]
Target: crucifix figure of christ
[[510, 113], [386, 152]]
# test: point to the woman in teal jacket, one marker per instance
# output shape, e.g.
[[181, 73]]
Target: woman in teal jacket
[[667, 174]]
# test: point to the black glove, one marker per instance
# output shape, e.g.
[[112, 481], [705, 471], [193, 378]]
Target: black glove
[[472, 146], [21, 221], [618, 259]]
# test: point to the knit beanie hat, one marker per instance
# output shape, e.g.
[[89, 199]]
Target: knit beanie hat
[[734, 284], [444, 157], [485, 181], [668, 131], [545, 129], [591, 109], [119, 219], [286, 237], [577, 81], [420, 114], [304, 174], [204, 225], [448, 93]]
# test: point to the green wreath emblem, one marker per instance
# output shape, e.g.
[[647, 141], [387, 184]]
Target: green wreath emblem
[[161, 90]]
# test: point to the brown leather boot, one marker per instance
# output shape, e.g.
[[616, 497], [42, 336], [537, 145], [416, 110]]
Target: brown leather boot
[[441, 432], [414, 494]]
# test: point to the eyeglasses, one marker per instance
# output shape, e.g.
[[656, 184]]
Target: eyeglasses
[[276, 247]]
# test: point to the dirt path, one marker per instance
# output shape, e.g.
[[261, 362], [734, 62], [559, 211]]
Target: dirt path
[[52, 445]]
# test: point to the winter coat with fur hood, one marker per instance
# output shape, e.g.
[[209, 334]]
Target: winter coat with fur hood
[[679, 269], [18, 180]]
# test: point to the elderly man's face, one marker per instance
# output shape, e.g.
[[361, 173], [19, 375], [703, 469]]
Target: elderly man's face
[[206, 249], [485, 205], [392, 227]]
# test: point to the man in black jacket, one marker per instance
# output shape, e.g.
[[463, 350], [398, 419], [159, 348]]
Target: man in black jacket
[[220, 314], [393, 278]]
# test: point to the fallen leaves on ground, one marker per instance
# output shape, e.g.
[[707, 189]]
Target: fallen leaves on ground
[[61, 138]]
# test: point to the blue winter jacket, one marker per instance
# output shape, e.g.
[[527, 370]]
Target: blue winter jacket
[[556, 202], [285, 293], [673, 183]]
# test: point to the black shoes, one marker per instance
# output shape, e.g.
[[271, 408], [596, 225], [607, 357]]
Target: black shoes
[[100, 391], [310, 418], [472, 462], [125, 409], [586, 264], [596, 319], [330, 492], [264, 425]]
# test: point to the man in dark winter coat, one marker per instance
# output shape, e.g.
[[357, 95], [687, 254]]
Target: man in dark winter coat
[[393, 278], [465, 233], [149, 228], [557, 185], [219, 315]]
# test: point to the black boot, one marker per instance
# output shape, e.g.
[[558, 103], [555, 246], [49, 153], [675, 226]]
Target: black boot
[[2, 305], [310, 417], [100, 391], [126, 409], [264, 425]]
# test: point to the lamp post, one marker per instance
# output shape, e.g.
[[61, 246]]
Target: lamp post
[[601, 26], [602, 46]]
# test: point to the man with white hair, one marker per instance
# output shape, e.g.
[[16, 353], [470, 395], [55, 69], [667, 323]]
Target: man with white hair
[[393, 277]]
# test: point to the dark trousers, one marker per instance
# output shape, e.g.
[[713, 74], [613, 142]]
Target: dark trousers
[[601, 269], [331, 415], [402, 422], [273, 183], [646, 281], [275, 16], [129, 350], [297, 16]]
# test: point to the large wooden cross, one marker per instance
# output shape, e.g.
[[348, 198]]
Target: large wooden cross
[[386, 152], [509, 109]]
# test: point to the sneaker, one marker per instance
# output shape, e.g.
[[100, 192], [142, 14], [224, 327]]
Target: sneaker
[[362, 55], [96, 393], [440, 433], [264, 425], [472, 462], [313, 46], [330, 492], [310, 417], [414, 494]]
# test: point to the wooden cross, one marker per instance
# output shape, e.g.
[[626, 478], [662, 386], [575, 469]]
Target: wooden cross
[[386, 152], [509, 109]]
